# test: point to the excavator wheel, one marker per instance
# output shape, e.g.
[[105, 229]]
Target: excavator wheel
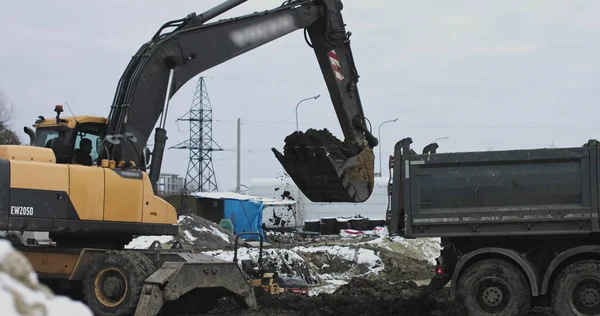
[[113, 283]]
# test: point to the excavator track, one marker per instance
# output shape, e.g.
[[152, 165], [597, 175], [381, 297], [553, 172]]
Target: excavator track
[[326, 169]]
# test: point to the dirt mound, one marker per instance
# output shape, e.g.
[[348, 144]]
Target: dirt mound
[[314, 138], [359, 297], [404, 268], [201, 234]]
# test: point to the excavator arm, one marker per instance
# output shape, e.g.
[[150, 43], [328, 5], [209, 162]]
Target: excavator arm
[[169, 60]]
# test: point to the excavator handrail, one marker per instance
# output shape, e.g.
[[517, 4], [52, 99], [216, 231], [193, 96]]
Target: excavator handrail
[[260, 249]]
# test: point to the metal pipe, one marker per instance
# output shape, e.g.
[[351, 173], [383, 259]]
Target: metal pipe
[[163, 119], [379, 136], [160, 139], [219, 9], [239, 133]]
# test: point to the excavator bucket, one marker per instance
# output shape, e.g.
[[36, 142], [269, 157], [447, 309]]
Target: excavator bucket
[[324, 177], [192, 283]]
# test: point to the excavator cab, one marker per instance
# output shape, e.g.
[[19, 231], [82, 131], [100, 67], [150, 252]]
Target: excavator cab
[[74, 140]]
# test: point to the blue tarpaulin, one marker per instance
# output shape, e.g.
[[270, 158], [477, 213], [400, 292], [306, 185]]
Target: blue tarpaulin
[[244, 211], [246, 216]]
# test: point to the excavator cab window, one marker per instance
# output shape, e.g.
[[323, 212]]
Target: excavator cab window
[[86, 150], [57, 139], [86, 145]]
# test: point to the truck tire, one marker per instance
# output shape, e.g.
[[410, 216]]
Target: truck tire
[[576, 290], [113, 285], [493, 287]]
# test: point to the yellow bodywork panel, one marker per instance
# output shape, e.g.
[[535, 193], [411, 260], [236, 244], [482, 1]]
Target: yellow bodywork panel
[[39, 176], [155, 209], [123, 197], [71, 121], [27, 153], [52, 263], [87, 191], [96, 193]]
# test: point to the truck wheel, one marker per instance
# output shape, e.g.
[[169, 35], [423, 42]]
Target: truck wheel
[[576, 290], [114, 283], [493, 287]]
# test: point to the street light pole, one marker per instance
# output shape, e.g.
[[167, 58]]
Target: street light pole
[[315, 97], [379, 136], [445, 137]]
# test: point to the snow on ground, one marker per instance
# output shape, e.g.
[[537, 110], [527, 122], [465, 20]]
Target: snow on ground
[[214, 231], [143, 242], [359, 256], [329, 287], [325, 262], [21, 293], [426, 249], [195, 233]]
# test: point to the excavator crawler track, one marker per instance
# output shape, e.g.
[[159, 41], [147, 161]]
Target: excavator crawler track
[[324, 179]]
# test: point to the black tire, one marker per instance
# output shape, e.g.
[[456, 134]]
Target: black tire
[[576, 290], [127, 271], [493, 287]]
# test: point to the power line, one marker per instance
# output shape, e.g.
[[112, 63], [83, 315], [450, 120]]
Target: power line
[[417, 85], [562, 127]]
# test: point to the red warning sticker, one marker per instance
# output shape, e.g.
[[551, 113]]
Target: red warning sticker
[[335, 65]]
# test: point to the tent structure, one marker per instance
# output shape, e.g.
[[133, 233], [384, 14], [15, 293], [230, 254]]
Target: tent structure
[[244, 211]]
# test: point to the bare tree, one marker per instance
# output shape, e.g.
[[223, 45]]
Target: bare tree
[[7, 136]]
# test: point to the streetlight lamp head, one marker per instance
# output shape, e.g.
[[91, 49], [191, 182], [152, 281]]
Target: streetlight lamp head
[[318, 95], [395, 120]]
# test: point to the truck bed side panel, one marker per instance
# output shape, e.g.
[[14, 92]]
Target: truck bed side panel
[[517, 192]]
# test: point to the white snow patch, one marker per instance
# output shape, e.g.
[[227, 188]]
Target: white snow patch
[[367, 257], [213, 230], [242, 254], [143, 242], [5, 249], [220, 234], [428, 248], [11, 288], [329, 287], [189, 236]]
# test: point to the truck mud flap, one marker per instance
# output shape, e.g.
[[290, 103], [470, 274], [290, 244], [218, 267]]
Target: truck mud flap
[[193, 281], [323, 179]]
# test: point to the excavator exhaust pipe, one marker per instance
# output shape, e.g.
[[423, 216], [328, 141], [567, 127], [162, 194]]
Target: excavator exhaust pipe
[[325, 179]]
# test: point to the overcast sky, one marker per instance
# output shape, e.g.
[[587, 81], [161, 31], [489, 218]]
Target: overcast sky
[[488, 74]]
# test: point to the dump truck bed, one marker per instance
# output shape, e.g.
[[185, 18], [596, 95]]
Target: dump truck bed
[[550, 191]]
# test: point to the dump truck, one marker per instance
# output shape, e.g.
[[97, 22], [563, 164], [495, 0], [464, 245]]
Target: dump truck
[[518, 228], [91, 182]]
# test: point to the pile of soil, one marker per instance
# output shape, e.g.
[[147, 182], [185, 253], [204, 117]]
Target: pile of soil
[[315, 138], [358, 297], [404, 268], [201, 234]]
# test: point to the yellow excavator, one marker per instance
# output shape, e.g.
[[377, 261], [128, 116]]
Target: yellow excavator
[[90, 182]]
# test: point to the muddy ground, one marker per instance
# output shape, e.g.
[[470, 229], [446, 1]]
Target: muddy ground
[[358, 297]]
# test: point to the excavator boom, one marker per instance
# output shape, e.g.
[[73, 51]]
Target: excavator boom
[[169, 60]]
